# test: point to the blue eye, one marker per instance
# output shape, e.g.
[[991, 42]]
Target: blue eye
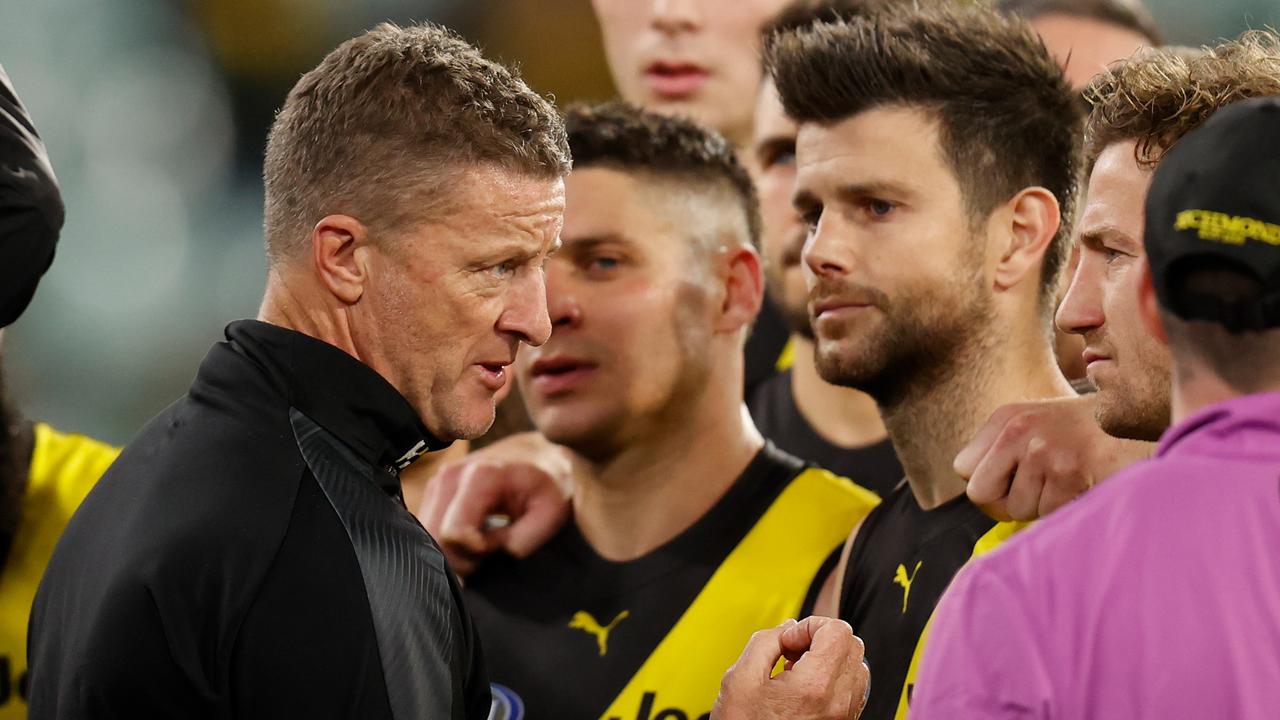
[[503, 270], [782, 157], [880, 208], [604, 263]]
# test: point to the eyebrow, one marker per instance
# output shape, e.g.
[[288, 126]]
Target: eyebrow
[[1102, 233], [804, 199], [587, 242], [857, 191], [774, 143]]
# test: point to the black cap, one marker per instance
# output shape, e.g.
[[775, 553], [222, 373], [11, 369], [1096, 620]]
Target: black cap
[[1215, 202], [30, 206]]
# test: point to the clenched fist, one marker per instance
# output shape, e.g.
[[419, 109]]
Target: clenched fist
[[825, 675]]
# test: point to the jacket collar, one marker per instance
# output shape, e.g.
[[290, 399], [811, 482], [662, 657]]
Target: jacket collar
[[341, 394]]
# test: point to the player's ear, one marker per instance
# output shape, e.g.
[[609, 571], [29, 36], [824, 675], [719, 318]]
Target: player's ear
[[743, 280], [1148, 306], [339, 244], [1030, 220]]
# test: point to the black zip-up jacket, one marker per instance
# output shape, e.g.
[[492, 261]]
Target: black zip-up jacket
[[250, 556]]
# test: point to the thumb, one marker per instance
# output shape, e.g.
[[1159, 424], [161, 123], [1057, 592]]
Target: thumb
[[543, 517]]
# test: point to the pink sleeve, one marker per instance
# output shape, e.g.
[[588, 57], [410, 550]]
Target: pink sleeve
[[982, 659]]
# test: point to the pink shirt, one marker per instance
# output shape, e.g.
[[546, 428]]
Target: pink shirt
[[1156, 595]]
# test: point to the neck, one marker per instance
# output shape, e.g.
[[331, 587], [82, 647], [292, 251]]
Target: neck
[[293, 305], [842, 416], [940, 413], [1196, 388], [655, 488]]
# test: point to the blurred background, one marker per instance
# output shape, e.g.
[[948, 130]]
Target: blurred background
[[155, 113]]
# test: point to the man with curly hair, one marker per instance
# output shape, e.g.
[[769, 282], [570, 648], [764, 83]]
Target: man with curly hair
[[1151, 597]]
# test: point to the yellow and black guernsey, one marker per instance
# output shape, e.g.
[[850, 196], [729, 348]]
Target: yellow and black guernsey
[[64, 467], [569, 635], [901, 562]]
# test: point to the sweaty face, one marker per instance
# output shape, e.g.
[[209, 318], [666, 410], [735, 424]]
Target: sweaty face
[[690, 57], [783, 232], [1084, 46], [896, 272], [1128, 365], [449, 302], [631, 315]]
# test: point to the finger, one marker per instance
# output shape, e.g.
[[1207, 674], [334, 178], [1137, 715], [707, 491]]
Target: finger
[[1028, 483], [544, 512], [862, 689], [1060, 489], [823, 642], [969, 457], [762, 652], [436, 499], [480, 494], [992, 478]]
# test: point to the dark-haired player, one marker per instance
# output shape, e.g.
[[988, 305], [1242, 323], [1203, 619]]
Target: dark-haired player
[[937, 169], [688, 530], [836, 427]]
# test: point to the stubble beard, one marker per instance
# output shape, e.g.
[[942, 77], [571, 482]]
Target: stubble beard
[[1140, 411], [921, 338]]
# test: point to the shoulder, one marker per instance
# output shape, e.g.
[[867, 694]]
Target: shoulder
[[824, 486], [195, 483], [65, 466]]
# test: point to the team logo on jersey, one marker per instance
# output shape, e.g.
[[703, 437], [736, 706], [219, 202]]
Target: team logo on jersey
[[902, 578], [582, 620], [506, 705]]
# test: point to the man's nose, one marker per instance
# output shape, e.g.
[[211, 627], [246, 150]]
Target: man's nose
[[526, 314], [1081, 308], [671, 17]]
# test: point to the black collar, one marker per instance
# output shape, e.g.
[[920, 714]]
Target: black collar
[[338, 392]]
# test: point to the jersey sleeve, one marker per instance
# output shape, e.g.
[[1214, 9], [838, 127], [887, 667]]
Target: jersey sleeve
[[983, 660]]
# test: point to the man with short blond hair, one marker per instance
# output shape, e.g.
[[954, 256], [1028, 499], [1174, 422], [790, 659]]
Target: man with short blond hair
[[250, 555]]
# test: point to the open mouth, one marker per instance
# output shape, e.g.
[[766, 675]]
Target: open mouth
[[493, 374]]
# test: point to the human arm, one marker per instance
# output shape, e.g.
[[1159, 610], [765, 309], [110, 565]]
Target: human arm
[[1031, 458], [523, 478]]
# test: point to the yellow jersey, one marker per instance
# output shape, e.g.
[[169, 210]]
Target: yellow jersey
[[64, 468]]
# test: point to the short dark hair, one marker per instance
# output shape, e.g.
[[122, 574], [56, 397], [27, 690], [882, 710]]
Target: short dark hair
[[1128, 14], [384, 124], [1158, 96], [1249, 361], [1009, 119], [621, 136], [802, 13]]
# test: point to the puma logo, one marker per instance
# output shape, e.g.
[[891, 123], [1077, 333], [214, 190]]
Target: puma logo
[[583, 621], [901, 578]]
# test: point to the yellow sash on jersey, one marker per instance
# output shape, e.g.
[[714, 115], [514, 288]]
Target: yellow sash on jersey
[[63, 470], [988, 542], [760, 584]]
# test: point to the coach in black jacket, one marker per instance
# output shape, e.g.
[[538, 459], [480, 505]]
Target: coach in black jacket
[[249, 555]]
